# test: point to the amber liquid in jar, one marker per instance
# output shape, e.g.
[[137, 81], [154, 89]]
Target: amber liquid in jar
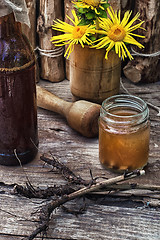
[[124, 138]]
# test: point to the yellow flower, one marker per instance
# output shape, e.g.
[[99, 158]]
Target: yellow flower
[[93, 4], [118, 33], [74, 34]]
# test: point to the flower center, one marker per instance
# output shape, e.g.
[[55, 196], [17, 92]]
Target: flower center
[[79, 31], [117, 33], [93, 3]]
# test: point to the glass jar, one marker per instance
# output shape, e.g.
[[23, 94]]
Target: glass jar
[[18, 110], [124, 132]]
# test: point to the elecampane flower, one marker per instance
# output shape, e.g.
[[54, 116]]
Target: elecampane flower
[[73, 34], [93, 4], [118, 34]]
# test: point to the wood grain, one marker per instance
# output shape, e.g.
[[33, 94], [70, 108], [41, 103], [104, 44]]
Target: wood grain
[[146, 69], [31, 32], [107, 216], [52, 68]]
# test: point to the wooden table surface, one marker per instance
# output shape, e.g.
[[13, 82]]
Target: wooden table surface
[[127, 215]]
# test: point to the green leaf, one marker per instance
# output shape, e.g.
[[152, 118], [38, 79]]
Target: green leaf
[[93, 38], [103, 14], [82, 10], [90, 15], [85, 22], [105, 5]]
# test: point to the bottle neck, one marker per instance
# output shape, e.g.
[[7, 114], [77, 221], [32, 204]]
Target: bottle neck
[[9, 27], [15, 49]]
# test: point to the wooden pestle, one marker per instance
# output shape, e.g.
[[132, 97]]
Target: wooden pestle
[[81, 115]]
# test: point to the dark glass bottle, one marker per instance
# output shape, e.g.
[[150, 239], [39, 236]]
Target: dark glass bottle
[[18, 110]]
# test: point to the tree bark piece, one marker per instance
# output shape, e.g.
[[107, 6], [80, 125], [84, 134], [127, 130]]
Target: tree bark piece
[[115, 4], [52, 60], [127, 4], [146, 69], [68, 6], [31, 32]]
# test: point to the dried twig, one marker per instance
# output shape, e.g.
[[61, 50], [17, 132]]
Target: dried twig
[[64, 170], [31, 192], [53, 204], [124, 187]]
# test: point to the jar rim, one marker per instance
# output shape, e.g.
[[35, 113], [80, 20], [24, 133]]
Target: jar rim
[[125, 100]]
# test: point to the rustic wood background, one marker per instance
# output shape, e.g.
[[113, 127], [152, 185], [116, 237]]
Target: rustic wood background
[[43, 12], [129, 215]]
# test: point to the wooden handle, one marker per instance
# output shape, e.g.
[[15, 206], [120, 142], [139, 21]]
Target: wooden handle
[[81, 115], [51, 102]]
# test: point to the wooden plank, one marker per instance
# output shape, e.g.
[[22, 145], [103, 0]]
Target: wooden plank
[[70, 147], [150, 94], [122, 223], [99, 222], [107, 217]]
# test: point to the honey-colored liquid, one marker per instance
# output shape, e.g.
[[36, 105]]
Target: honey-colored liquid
[[120, 150]]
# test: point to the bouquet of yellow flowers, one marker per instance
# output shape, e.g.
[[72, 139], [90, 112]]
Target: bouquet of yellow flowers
[[97, 25]]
